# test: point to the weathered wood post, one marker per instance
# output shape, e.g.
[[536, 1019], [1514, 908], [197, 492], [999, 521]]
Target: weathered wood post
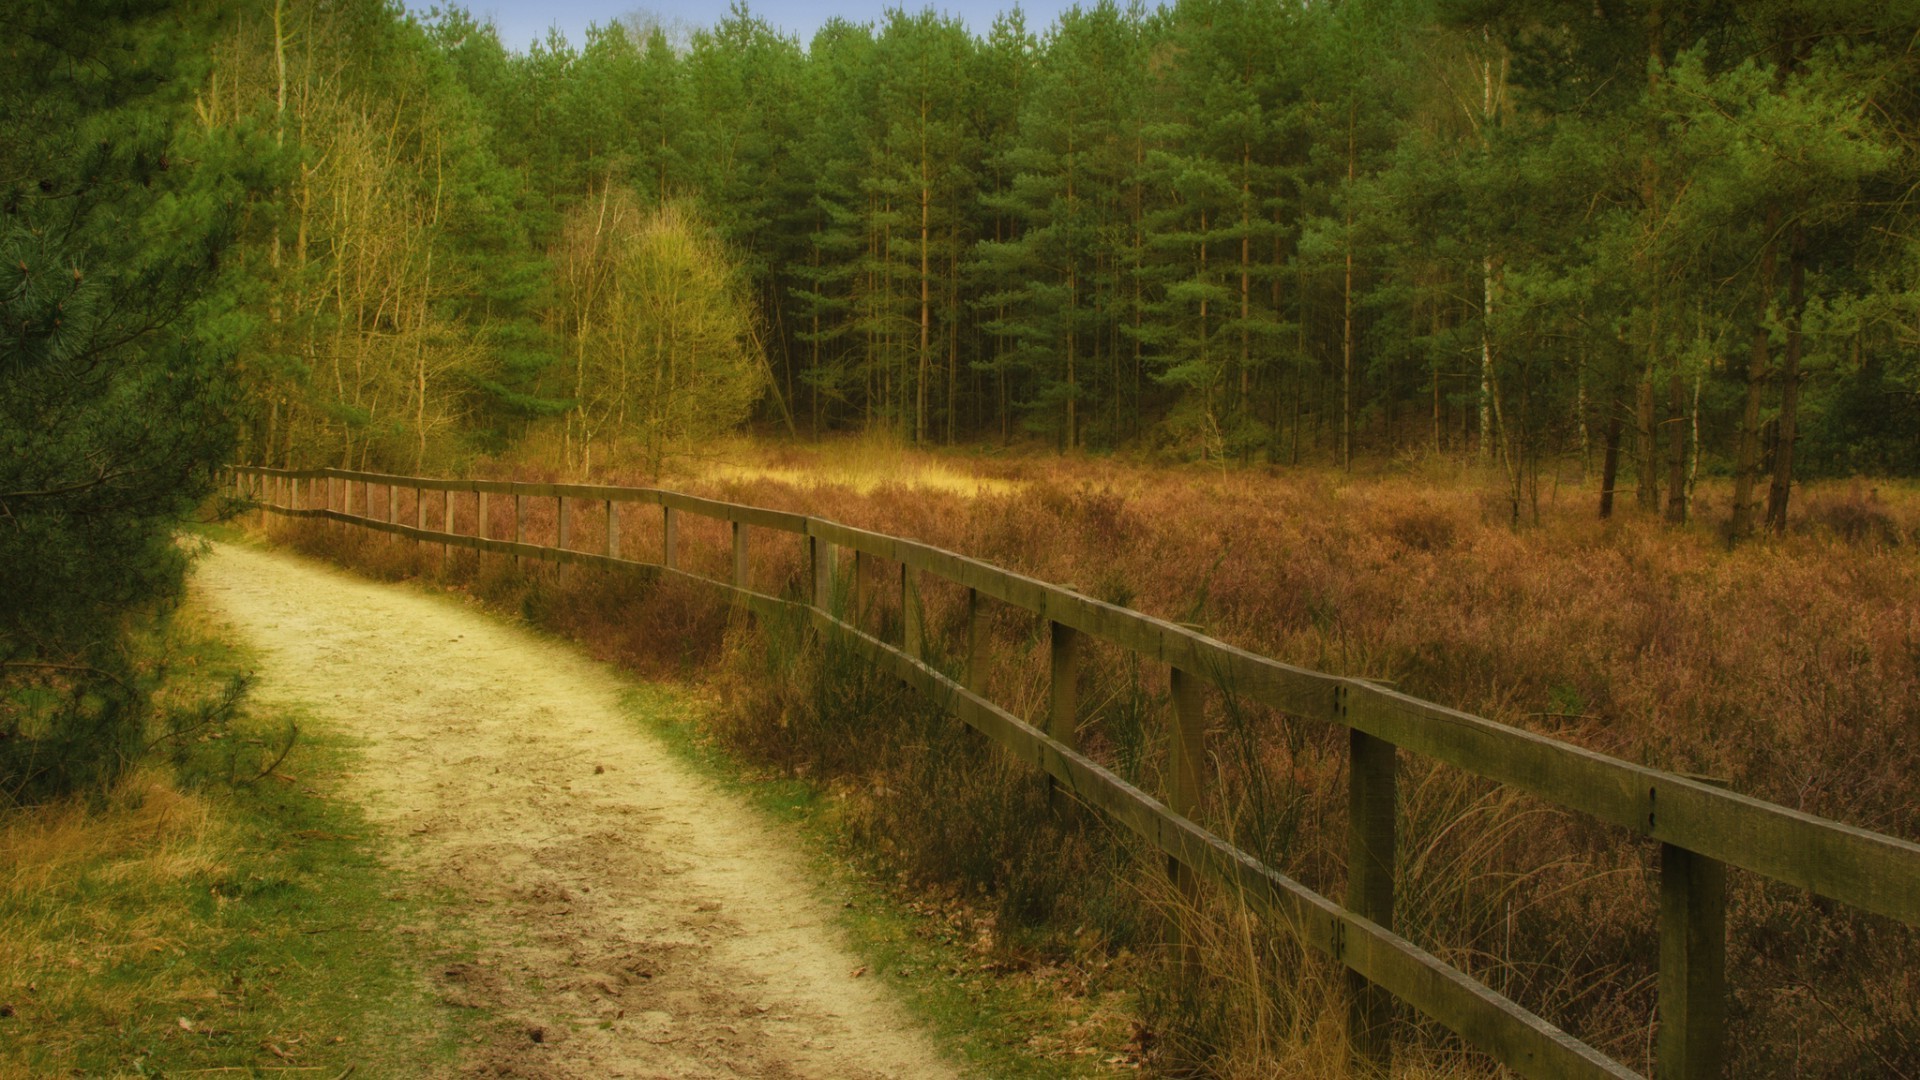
[[669, 539], [1063, 701], [519, 521], [856, 591], [1371, 800], [1693, 962], [561, 509], [820, 560], [482, 526], [976, 643], [912, 640], [741, 575], [419, 513], [613, 530], [446, 506], [393, 508], [1186, 750]]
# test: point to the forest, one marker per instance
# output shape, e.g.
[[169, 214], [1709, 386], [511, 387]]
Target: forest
[[1657, 239]]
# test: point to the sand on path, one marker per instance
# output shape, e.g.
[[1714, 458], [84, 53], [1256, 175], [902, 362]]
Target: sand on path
[[639, 921]]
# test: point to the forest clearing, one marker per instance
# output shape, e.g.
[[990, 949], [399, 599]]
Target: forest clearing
[[1237, 537]]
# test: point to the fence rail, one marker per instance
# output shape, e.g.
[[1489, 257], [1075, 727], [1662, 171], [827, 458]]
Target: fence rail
[[1701, 827]]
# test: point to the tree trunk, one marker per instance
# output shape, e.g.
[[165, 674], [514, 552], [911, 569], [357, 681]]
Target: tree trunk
[[1610, 456], [1346, 331], [1677, 449], [1245, 408], [1789, 385], [1747, 454], [926, 359], [1486, 359], [1647, 444]]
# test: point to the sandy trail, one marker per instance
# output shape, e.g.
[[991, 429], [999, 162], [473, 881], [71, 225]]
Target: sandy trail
[[642, 922]]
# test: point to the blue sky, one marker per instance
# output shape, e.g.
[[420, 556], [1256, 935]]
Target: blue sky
[[522, 21]]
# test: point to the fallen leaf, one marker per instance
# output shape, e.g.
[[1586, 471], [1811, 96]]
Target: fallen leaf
[[859, 971]]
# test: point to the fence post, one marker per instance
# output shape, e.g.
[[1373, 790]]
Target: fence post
[[393, 505], [446, 506], [669, 539], [519, 518], [1693, 964], [740, 572], [856, 596], [976, 644], [911, 638], [1186, 749], [613, 530], [1064, 700], [561, 508], [419, 511], [481, 526], [820, 558], [1370, 843]]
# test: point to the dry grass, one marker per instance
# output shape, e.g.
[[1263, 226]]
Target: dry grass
[[1789, 667], [183, 922], [56, 953], [862, 463]]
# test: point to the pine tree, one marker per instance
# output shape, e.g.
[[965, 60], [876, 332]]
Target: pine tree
[[119, 325]]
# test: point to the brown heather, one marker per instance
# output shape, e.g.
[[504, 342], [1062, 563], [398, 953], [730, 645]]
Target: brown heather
[[1788, 667]]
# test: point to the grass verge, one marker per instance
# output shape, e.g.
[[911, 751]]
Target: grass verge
[[215, 917], [1002, 1015]]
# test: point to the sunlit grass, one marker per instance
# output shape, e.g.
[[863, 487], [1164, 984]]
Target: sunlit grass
[[863, 464], [210, 927]]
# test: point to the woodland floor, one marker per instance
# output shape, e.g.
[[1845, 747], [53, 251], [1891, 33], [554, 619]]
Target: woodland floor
[[633, 920]]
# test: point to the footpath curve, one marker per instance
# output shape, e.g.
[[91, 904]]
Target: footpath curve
[[638, 920]]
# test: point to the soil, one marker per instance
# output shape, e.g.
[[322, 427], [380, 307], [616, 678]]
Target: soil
[[634, 921]]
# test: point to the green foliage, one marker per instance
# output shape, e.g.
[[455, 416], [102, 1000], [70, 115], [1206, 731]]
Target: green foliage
[[662, 346], [119, 325], [1228, 229]]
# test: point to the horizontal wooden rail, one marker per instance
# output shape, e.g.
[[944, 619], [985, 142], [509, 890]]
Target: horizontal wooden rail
[[1699, 825]]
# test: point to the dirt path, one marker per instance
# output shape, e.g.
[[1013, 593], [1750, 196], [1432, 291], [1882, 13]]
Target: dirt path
[[633, 917]]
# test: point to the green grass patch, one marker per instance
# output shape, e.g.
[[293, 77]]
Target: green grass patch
[[208, 917], [997, 1014]]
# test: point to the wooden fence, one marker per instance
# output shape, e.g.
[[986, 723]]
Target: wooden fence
[[1702, 828]]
